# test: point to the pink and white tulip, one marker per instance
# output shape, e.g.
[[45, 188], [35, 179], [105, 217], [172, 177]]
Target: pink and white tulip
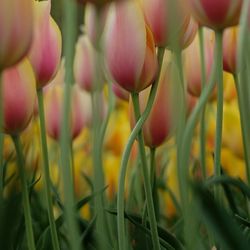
[[16, 30], [159, 16], [216, 14], [230, 43], [84, 64], [19, 92], [129, 47], [159, 124], [45, 53]]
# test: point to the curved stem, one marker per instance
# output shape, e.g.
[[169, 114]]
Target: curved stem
[[147, 183], [126, 153], [70, 35], [25, 193], [53, 231], [220, 101], [203, 116]]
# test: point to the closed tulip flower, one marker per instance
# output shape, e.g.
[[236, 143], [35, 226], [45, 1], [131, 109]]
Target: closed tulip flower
[[46, 48], [120, 92], [192, 65], [16, 29], [84, 64], [129, 47], [216, 14], [19, 92], [159, 16], [54, 108], [230, 38], [159, 124]]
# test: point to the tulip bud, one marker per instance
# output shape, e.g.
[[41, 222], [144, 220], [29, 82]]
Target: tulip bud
[[129, 47], [192, 65], [54, 108], [16, 29], [120, 92], [84, 64], [45, 53], [216, 14], [161, 14], [19, 94], [159, 123], [94, 21], [230, 38]]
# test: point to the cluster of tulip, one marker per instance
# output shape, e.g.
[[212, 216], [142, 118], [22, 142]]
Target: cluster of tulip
[[164, 61]]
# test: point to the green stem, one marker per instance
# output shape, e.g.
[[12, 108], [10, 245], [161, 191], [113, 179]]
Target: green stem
[[69, 37], [1, 139], [203, 116], [243, 46], [219, 118], [189, 130], [126, 153], [153, 182], [25, 193], [52, 224], [147, 183], [72, 165]]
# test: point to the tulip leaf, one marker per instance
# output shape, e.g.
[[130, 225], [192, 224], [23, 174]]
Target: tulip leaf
[[167, 240], [224, 228]]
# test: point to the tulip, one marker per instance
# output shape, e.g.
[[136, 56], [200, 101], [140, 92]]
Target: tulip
[[54, 108], [46, 48], [159, 16], [230, 39], [84, 64], [19, 93], [16, 29], [94, 21], [159, 124], [216, 14], [129, 47], [120, 92], [192, 65]]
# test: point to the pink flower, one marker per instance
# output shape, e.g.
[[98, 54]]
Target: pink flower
[[53, 111], [216, 14], [19, 92], [16, 29], [159, 16], [159, 124], [129, 47], [120, 92], [230, 40], [45, 53], [192, 64], [84, 64]]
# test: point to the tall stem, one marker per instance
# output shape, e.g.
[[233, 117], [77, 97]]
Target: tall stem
[[69, 35], [46, 170], [188, 135], [153, 182], [1, 139], [203, 116], [220, 101], [126, 153], [243, 47], [147, 183], [25, 193]]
